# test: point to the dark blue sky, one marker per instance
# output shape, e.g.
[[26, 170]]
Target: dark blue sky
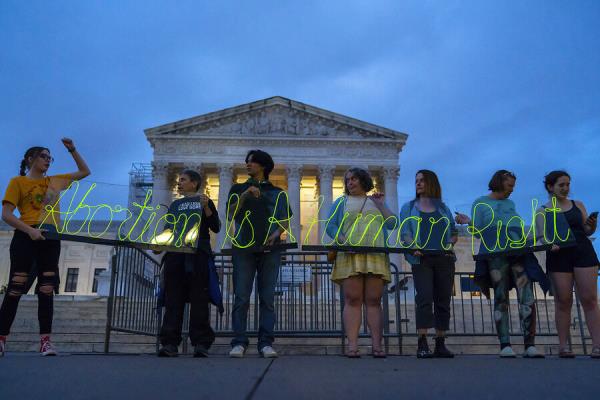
[[478, 85]]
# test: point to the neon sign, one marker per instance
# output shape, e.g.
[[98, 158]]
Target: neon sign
[[143, 224]]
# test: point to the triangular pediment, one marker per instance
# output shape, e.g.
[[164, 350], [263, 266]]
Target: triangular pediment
[[276, 117]]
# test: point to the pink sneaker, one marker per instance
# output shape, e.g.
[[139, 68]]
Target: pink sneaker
[[2, 345], [46, 348]]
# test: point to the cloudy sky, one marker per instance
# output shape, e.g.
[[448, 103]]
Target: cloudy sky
[[478, 85]]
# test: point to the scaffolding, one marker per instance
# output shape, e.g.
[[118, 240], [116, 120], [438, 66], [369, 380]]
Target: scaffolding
[[140, 180]]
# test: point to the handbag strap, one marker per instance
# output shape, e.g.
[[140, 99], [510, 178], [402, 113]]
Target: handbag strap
[[363, 204], [361, 207]]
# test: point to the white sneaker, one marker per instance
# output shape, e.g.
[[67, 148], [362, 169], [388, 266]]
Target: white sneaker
[[268, 352], [507, 352], [237, 351], [532, 352]]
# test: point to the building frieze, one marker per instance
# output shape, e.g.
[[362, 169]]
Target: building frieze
[[276, 120]]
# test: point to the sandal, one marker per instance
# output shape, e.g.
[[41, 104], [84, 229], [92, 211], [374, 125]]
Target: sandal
[[379, 353], [352, 353], [566, 353], [595, 352]]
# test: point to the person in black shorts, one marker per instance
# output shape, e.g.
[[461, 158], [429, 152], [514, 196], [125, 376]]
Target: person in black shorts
[[574, 264]]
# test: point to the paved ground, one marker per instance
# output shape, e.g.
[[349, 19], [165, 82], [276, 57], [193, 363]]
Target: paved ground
[[28, 376]]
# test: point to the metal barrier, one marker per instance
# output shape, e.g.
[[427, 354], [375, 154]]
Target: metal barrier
[[307, 302], [309, 305], [132, 302]]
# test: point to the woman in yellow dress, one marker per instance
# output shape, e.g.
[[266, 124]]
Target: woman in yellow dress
[[356, 219]]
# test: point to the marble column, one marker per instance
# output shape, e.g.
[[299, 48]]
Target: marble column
[[294, 178], [225, 183], [160, 184], [390, 178], [326, 173]]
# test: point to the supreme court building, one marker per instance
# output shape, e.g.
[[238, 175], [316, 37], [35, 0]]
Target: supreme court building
[[311, 147]]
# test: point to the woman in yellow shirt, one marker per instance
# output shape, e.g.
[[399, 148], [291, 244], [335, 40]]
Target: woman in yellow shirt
[[30, 192]]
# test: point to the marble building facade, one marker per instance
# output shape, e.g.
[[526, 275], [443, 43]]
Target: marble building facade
[[311, 147]]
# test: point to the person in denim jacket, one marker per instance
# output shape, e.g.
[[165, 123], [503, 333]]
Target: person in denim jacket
[[427, 223], [487, 213]]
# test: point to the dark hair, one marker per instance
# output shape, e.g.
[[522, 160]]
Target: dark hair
[[551, 178], [194, 177], [31, 152], [263, 159], [497, 182], [433, 190], [364, 178]]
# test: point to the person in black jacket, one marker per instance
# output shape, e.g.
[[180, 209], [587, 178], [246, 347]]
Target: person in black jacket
[[186, 275]]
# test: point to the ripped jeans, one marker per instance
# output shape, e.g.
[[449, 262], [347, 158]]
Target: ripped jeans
[[502, 272], [24, 254]]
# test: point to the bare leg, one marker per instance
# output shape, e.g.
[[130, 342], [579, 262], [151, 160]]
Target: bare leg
[[562, 283], [586, 282], [373, 292], [353, 299]]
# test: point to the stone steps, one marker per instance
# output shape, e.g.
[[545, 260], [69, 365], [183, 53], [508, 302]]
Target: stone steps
[[79, 327], [80, 323]]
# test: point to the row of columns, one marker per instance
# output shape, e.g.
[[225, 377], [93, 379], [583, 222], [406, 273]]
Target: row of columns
[[294, 173]]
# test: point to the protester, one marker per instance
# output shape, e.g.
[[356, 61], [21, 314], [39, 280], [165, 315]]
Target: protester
[[186, 276], [30, 193]]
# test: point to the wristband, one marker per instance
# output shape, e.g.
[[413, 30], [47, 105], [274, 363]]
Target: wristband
[[71, 150]]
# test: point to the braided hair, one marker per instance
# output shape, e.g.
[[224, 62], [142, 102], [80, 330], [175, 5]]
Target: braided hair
[[31, 152]]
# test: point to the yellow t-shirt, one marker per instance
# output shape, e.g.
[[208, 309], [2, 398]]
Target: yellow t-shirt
[[31, 196]]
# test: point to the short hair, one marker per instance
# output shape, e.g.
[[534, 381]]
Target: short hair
[[194, 177], [552, 177], [433, 190], [496, 184], [262, 158], [364, 179]]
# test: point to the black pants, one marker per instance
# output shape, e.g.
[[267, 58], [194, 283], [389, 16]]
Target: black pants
[[186, 284], [434, 278], [24, 254]]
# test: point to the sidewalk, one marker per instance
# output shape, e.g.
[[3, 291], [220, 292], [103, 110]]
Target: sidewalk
[[103, 377]]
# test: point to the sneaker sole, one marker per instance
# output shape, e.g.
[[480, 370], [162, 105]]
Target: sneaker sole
[[49, 354], [166, 354], [425, 356]]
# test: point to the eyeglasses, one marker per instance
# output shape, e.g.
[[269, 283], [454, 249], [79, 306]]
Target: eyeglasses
[[47, 157]]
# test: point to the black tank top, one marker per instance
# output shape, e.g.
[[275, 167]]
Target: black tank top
[[435, 232], [575, 220]]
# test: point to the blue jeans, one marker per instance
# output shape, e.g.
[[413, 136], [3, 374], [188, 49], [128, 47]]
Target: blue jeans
[[266, 268]]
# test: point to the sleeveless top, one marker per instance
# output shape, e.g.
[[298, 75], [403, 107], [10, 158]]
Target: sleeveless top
[[574, 218]]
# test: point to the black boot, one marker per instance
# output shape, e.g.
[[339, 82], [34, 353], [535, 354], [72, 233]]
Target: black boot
[[423, 348], [441, 351], [168, 350], [200, 351]]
